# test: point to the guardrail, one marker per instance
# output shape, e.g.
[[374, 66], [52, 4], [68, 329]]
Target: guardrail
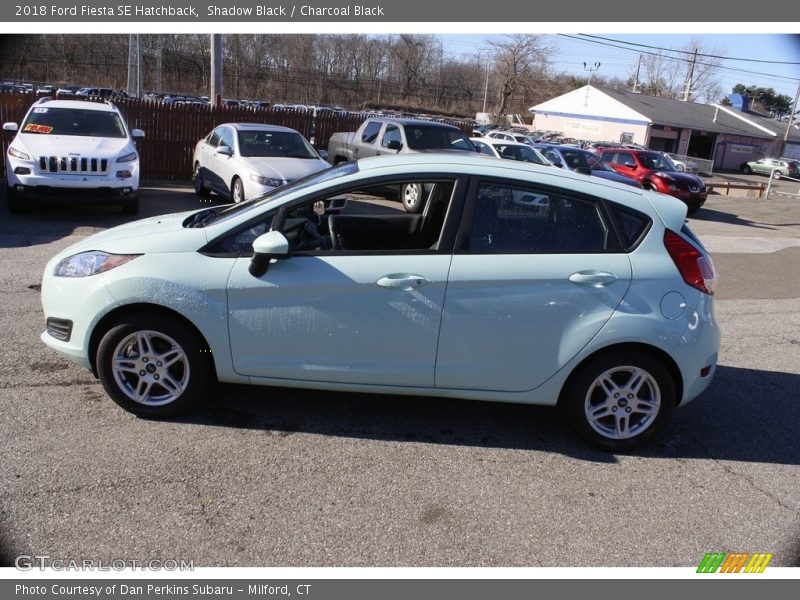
[[729, 185]]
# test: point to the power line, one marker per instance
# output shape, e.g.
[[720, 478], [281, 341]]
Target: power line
[[771, 62], [685, 60]]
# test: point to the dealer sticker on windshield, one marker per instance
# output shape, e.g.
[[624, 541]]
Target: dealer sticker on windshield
[[40, 110], [36, 128]]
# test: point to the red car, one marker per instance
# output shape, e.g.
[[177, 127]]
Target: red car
[[656, 172]]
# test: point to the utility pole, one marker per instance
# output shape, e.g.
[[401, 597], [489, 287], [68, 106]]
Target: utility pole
[[486, 86], [134, 66], [791, 121], [590, 69], [687, 91], [636, 82], [216, 69]]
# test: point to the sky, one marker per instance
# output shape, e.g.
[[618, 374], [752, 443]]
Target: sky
[[619, 59]]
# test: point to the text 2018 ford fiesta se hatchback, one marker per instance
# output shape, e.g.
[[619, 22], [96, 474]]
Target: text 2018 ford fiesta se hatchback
[[516, 283]]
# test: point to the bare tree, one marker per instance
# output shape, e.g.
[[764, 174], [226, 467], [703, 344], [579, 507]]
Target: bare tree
[[518, 60], [667, 73]]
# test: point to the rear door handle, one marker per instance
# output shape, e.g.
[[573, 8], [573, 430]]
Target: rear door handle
[[592, 278], [402, 281]]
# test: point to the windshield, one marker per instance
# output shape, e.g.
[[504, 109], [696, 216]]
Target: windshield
[[274, 143], [656, 162], [74, 121], [530, 155], [430, 137], [232, 210], [581, 158]]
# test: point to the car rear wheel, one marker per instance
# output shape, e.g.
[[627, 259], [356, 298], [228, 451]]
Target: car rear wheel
[[237, 190], [154, 366], [199, 185], [621, 401], [412, 196]]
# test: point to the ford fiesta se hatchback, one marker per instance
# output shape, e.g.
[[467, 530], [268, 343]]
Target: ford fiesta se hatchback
[[517, 283]]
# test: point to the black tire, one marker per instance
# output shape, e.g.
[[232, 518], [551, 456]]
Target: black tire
[[777, 175], [130, 206], [680, 168], [15, 205], [656, 399], [747, 169], [200, 187], [693, 208], [237, 190], [412, 197], [165, 390]]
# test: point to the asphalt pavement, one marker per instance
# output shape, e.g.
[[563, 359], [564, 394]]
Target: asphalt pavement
[[279, 477]]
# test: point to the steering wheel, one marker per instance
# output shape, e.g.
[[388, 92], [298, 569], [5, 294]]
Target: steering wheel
[[332, 233]]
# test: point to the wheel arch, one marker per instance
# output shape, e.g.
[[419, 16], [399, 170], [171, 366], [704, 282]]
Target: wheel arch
[[114, 317], [651, 351]]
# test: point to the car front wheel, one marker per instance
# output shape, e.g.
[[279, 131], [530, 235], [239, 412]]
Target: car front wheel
[[621, 401], [777, 175], [237, 190], [747, 169], [154, 366]]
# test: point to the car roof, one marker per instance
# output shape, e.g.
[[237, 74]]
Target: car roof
[[258, 127], [77, 104], [561, 147], [407, 121], [499, 142]]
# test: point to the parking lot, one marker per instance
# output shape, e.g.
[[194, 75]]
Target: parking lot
[[280, 477]]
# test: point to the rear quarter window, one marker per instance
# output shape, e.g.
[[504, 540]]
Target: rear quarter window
[[632, 225]]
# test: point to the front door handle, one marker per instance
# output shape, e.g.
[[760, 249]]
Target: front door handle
[[592, 278], [402, 281]]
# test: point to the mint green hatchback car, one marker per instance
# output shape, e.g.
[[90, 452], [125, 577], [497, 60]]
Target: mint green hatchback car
[[516, 283]]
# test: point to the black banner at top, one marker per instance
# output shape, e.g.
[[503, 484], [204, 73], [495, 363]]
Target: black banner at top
[[376, 11]]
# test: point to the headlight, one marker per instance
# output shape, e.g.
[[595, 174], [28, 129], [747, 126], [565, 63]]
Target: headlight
[[127, 157], [90, 263], [17, 154], [271, 182]]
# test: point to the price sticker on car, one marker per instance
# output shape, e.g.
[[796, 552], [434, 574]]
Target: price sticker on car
[[36, 128]]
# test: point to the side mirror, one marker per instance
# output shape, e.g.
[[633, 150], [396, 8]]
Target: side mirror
[[137, 134], [272, 244], [10, 127], [323, 154], [395, 145], [225, 150]]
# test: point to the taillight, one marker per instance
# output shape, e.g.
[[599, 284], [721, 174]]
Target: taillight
[[695, 267]]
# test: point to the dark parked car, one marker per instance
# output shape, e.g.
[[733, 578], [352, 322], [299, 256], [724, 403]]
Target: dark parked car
[[656, 172], [582, 161]]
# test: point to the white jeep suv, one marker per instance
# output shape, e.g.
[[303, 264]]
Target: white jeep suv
[[72, 149]]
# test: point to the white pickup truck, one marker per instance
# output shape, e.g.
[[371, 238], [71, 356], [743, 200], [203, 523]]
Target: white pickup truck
[[384, 135]]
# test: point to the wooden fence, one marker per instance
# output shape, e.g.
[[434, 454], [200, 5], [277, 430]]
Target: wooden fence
[[172, 131]]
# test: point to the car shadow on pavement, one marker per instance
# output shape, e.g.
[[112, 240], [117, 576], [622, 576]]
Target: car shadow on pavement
[[709, 214], [746, 415], [49, 221]]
